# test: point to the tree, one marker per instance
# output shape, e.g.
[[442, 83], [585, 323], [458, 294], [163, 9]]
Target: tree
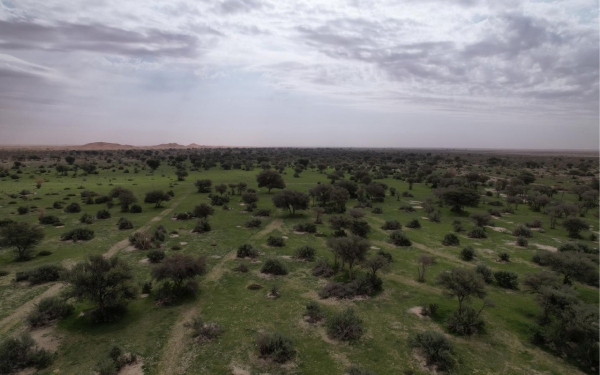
[[181, 173], [62, 169], [241, 187], [292, 200], [203, 186], [156, 197], [221, 188], [38, 182], [319, 211], [203, 210], [179, 268], [424, 262], [351, 250], [270, 179], [249, 198], [153, 164], [463, 284], [125, 197], [22, 236], [107, 283], [574, 225], [458, 198], [339, 196], [375, 263], [481, 219], [70, 160]]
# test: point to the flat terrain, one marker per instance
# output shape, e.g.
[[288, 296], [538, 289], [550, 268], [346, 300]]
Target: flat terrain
[[159, 335]]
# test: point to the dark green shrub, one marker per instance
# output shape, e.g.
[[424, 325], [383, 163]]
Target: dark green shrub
[[18, 353], [413, 224], [263, 213], [522, 231], [386, 255], [522, 241], [477, 232], [242, 267], [254, 286], [436, 348], [450, 239], [102, 199], [505, 257], [155, 256], [124, 224], [135, 209], [305, 253], [204, 332], [313, 312], [246, 251], [398, 238], [275, 347], [305, 227], [44, 274], [468, 253], [322, 269], [49, 220], [44, 253], [219, 200], [78, 234], [273, 267], [391, 225], [345, 326], [22, 210], [457, 226], [275, 241], [202, 226], [86, 218], [465, 322], [73, 208], [253, 223], [103, 214], [377, 211], [507, 279], [435, 216], [485, 272], [577, 246], [47, 310], [142, 240]]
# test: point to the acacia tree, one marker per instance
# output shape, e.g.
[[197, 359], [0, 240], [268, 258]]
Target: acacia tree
[[156, 197], [458, 198], [424, 262], [203, 210], [351, 250], [153, 164], [179, 268], [107, 283], [221, 188], [270, 179], [203, 186], [23, 237], [463, 284], [574, 225], [292, 200]]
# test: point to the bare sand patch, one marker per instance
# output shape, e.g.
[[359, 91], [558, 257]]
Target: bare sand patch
[[497, 229], [145, 261], [546, 247], [46, 338], [135, 368], [183, 243], [417, 310]]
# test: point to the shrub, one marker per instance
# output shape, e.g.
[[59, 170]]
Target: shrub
[[505, 257], [535, 223], [398, 238], [58, 205], [429, 309], [275, 347], [253, 223], [467, 254], [386, 255], [78, 234], [103, 214], [477, 232], [275, 241], [322, 269], [86, 219], [507, 279], [246, 251], [141, 240], [345, 326], [263, 213], [135, 209], [49, 220], [305, 253], [305, 227], [22, 210], [273, 267], [413, 224], [360, 286], [436, 348], [219, 200], [47, 310], [101, 200], [147, 287], [465, 323], [44, 274], [124, 224], [17, 353], [313, 312], [522, 231], [242, 267], [485, 272], [176, 247], [457, 226], [435, 216], [578, 247], [205, 331], [377, 211], [73, 208], [155, 256], [254, 286], [450, 239], [391, 225], [522, 241], [183, 216], [202, 226], [44, 253]]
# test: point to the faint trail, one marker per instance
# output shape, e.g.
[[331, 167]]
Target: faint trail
[[124, 243], [174, 361], [275, 224], [20, 312]]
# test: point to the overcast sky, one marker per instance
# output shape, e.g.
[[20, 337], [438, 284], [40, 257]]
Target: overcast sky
[[364, 73]]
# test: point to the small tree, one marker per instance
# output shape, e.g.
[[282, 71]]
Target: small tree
[[270, 179], [179, 268], [107, 283], [203, 210], [463, 284], [351, 250], [292, 200], [458, 198], [221, 188], [23, 237], [423, 263], [156, 197], [574, 225], [203, 186], [153, 164]]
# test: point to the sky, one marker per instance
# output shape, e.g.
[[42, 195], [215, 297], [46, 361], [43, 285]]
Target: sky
[[329, 73]]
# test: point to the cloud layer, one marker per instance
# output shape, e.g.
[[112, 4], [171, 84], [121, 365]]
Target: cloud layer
[[476, 63]]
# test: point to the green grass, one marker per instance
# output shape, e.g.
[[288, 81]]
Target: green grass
[[503, 349]]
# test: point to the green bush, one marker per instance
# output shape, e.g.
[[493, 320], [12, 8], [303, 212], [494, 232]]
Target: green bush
[[398, 238], [450, 239], [305, 227], [436, 348], [47, 310], [413, 224], [202, 226], [522, 241], [155, 256], [246, 251], [49, 220], [322, 269], [18, 353], [485, 272], [135, 209], [477, 232], [22, 210], [522, 231], [313, 312], [507, 279], [275, 347], [103, 214], [253, 223], [205, 331], [124, 224], [391, 225], [345, 326], [73, 208], [305, 253], [44, 274], [273, 267], [465, 323], [275, 241], [86, 218], [468, 253], [78, 234]]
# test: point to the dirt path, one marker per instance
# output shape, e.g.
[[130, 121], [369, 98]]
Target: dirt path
[[174, 361], [124, 243], [20, 312], [273, 225]]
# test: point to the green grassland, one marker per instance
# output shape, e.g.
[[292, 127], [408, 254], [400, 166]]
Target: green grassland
[[158, 335]]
